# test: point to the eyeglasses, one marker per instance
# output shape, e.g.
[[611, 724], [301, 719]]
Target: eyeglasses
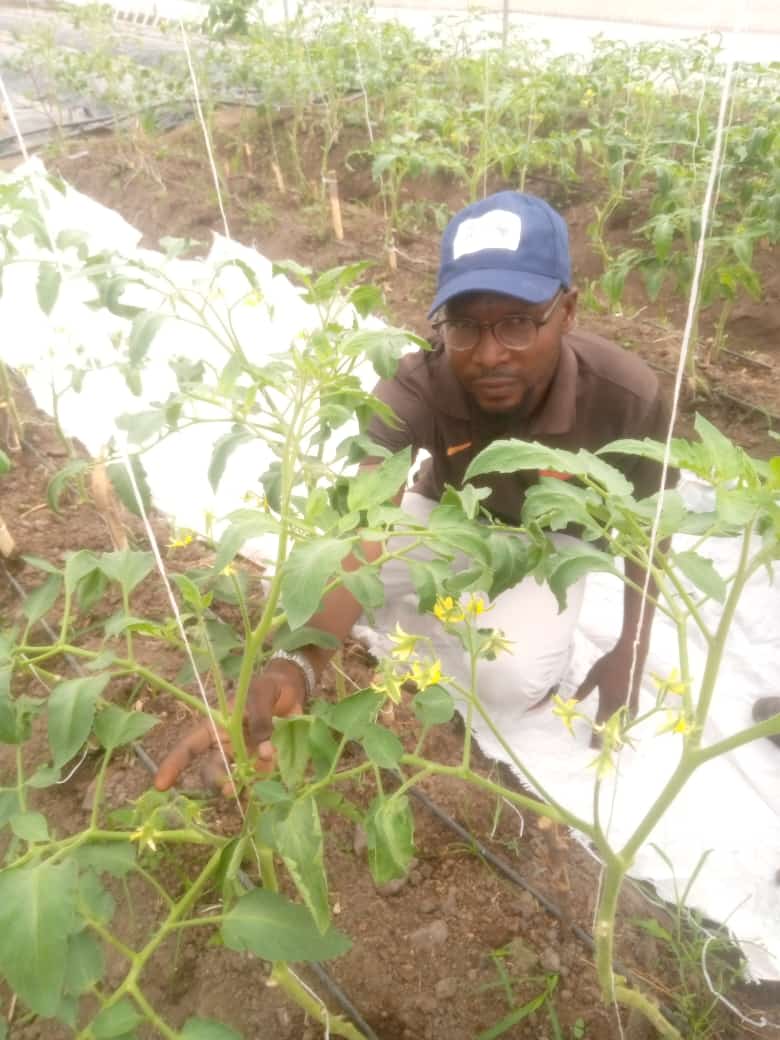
[[514, 331]]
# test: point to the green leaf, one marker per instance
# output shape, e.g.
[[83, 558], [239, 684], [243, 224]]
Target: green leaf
[[114, 858], [306, 572], [270, 792], [428, 578], [37, 914], [512, 455], [142, 426], [366, 586], [568, 567], [120, 480], [298, 838], [322, 746], [7, 709], [114, 727], [84, 965], [116, 1021], [555, 504], [91, 589], [455, 533], [38, 603], [63, 478], [40, 564], [206, 1029], [291, 740], [390, 837], [47, 287], [71, 713], [509, 456], [9, 805], [383, 348], [191, 594], [433, 706], [234, 538], [354, 714], [375, 485], [511, 560], [468, 499], [727, 459], [145, 327], [223, 449], [77, 566], [5, 463], [94, 901], [44, 776], [126, 566], [382, 747], [30, 826], [701, 572], [516, 1015], [271, 927]]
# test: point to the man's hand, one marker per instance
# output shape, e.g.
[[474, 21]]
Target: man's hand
[[610, 674], [279, 690]]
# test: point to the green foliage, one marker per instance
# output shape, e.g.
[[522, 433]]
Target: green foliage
[[271, 927]]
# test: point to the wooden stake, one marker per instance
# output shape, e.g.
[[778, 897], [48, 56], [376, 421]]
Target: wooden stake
[[335, 205], [279, 178], [7, 544], [108, 505]]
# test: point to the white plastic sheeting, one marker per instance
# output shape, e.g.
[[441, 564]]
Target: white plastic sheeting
[[730, 809]]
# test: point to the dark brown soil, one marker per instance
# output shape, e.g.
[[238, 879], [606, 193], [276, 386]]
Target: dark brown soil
[[490, 945]]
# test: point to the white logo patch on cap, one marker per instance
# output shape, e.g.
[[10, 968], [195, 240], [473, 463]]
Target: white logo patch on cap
[[498, 229]]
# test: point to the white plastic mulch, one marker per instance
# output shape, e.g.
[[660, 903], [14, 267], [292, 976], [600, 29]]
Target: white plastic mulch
[[730, 809]]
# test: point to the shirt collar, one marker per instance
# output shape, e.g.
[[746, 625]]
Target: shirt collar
[[555, 415]]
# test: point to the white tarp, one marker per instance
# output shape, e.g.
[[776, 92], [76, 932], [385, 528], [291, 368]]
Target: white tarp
[[730, 809]]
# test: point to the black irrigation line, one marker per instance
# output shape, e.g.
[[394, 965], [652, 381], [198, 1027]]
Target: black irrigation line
[[748, 406]]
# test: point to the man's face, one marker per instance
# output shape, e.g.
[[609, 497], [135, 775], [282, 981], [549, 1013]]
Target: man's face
[[498, 378]]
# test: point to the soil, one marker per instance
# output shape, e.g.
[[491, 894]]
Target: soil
[[457, 946]]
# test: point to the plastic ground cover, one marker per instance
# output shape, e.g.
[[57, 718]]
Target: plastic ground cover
[[730, 810]]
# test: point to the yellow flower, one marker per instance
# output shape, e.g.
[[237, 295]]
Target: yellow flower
[[388, 681], [603, 763], [475, 606], [145, 836], [183, 539], [426, 675], [228, 571], [676, 722], [567, 711], [405, 644], [495, 643], [673, 684], [447, 610]]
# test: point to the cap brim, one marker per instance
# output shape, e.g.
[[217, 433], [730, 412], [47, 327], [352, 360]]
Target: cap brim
[[531, 288]]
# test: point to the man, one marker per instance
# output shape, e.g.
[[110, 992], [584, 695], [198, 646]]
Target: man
[[508, 364]]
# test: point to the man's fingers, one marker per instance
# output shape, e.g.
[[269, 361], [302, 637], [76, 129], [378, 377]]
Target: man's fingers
[[213, 772], [177, 760]]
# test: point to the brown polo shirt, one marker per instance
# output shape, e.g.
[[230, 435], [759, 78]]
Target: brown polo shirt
[[599, 393]]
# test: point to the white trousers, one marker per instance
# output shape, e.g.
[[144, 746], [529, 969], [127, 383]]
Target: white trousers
[[527, 615]]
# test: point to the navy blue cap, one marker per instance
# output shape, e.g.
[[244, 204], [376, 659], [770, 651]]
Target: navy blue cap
[[508, 243]]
